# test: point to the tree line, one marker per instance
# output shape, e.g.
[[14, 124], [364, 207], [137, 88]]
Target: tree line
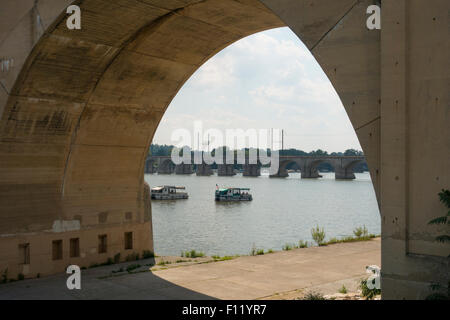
[[166, 150]]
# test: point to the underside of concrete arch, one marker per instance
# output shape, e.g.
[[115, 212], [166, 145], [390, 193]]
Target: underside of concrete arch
[[79, 109]]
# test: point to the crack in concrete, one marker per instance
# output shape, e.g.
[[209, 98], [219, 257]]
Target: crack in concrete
[[334, 26]]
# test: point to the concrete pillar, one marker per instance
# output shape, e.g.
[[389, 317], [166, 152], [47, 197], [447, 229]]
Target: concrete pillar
[[204, 170], [310, 172], [184, 169], [282, 173], [149, 167], [343, 173], [224, 170], [166, 168]]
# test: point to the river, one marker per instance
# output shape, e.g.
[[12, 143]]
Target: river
[[283, 211]]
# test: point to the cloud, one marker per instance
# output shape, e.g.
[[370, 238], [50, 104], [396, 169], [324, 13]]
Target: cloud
[[268, 80]]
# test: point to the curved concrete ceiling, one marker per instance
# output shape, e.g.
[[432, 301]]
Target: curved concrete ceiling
[[84, 109]]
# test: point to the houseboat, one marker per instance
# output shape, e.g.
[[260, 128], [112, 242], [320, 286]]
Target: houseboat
[[233, 194], [168, 193]]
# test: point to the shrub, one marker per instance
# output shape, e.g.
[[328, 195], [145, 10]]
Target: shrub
[[253, 250], [303, 244], [193, 254], [439, 292], [117, 258], [260, 252], [343, 290], [444, 197], [361, 232], [314, 295], [318, 235], [287, 247], [20, 277]]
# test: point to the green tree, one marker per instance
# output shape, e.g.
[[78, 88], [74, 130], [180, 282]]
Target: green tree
[[444, 197]]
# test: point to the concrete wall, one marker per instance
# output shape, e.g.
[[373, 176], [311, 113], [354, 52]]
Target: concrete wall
[[80, 107]]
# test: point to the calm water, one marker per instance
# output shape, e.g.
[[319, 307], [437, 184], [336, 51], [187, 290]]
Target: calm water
[[282, 211]]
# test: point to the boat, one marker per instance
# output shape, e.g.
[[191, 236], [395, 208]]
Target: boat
[[233, 194], [168, 193]]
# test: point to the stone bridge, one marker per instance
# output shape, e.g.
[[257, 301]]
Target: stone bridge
[[343, 166], [79, 109]]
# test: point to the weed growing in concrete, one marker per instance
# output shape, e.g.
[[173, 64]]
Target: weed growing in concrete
[[132, 267], [343, 290], [314, 295], [368, 293]]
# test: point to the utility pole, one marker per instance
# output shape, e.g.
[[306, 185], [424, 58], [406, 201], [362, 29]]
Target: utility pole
[[271, 140]]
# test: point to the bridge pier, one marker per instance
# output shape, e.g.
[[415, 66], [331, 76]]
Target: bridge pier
[[184, 169], [282, 173], [149, 167], [204, 170], [166, 168], [252, 170], [310, 172], [225, 170], [344, 174]]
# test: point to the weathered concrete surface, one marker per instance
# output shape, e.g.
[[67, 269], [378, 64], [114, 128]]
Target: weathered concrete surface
[[252, 277], [79, 110]]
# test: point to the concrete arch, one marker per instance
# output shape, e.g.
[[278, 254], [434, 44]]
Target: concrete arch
[[80, 107], [282, 171]]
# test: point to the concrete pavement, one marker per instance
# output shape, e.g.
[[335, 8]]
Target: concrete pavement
[[279, 275]]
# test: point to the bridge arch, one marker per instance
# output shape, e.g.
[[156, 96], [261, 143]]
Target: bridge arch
[[80, 107]]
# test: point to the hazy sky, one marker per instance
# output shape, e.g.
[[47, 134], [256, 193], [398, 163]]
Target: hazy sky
[[267, 80]]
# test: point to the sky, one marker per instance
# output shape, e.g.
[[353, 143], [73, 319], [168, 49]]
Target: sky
[[267, 80]]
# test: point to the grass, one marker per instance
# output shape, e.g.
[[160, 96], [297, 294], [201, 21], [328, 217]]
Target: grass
[[287, 247], [349, 239], [303, 244], [181, 261], [343, 290], [314, 295], [163, 263], [132, 267], [225, 258], [192, 254]]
